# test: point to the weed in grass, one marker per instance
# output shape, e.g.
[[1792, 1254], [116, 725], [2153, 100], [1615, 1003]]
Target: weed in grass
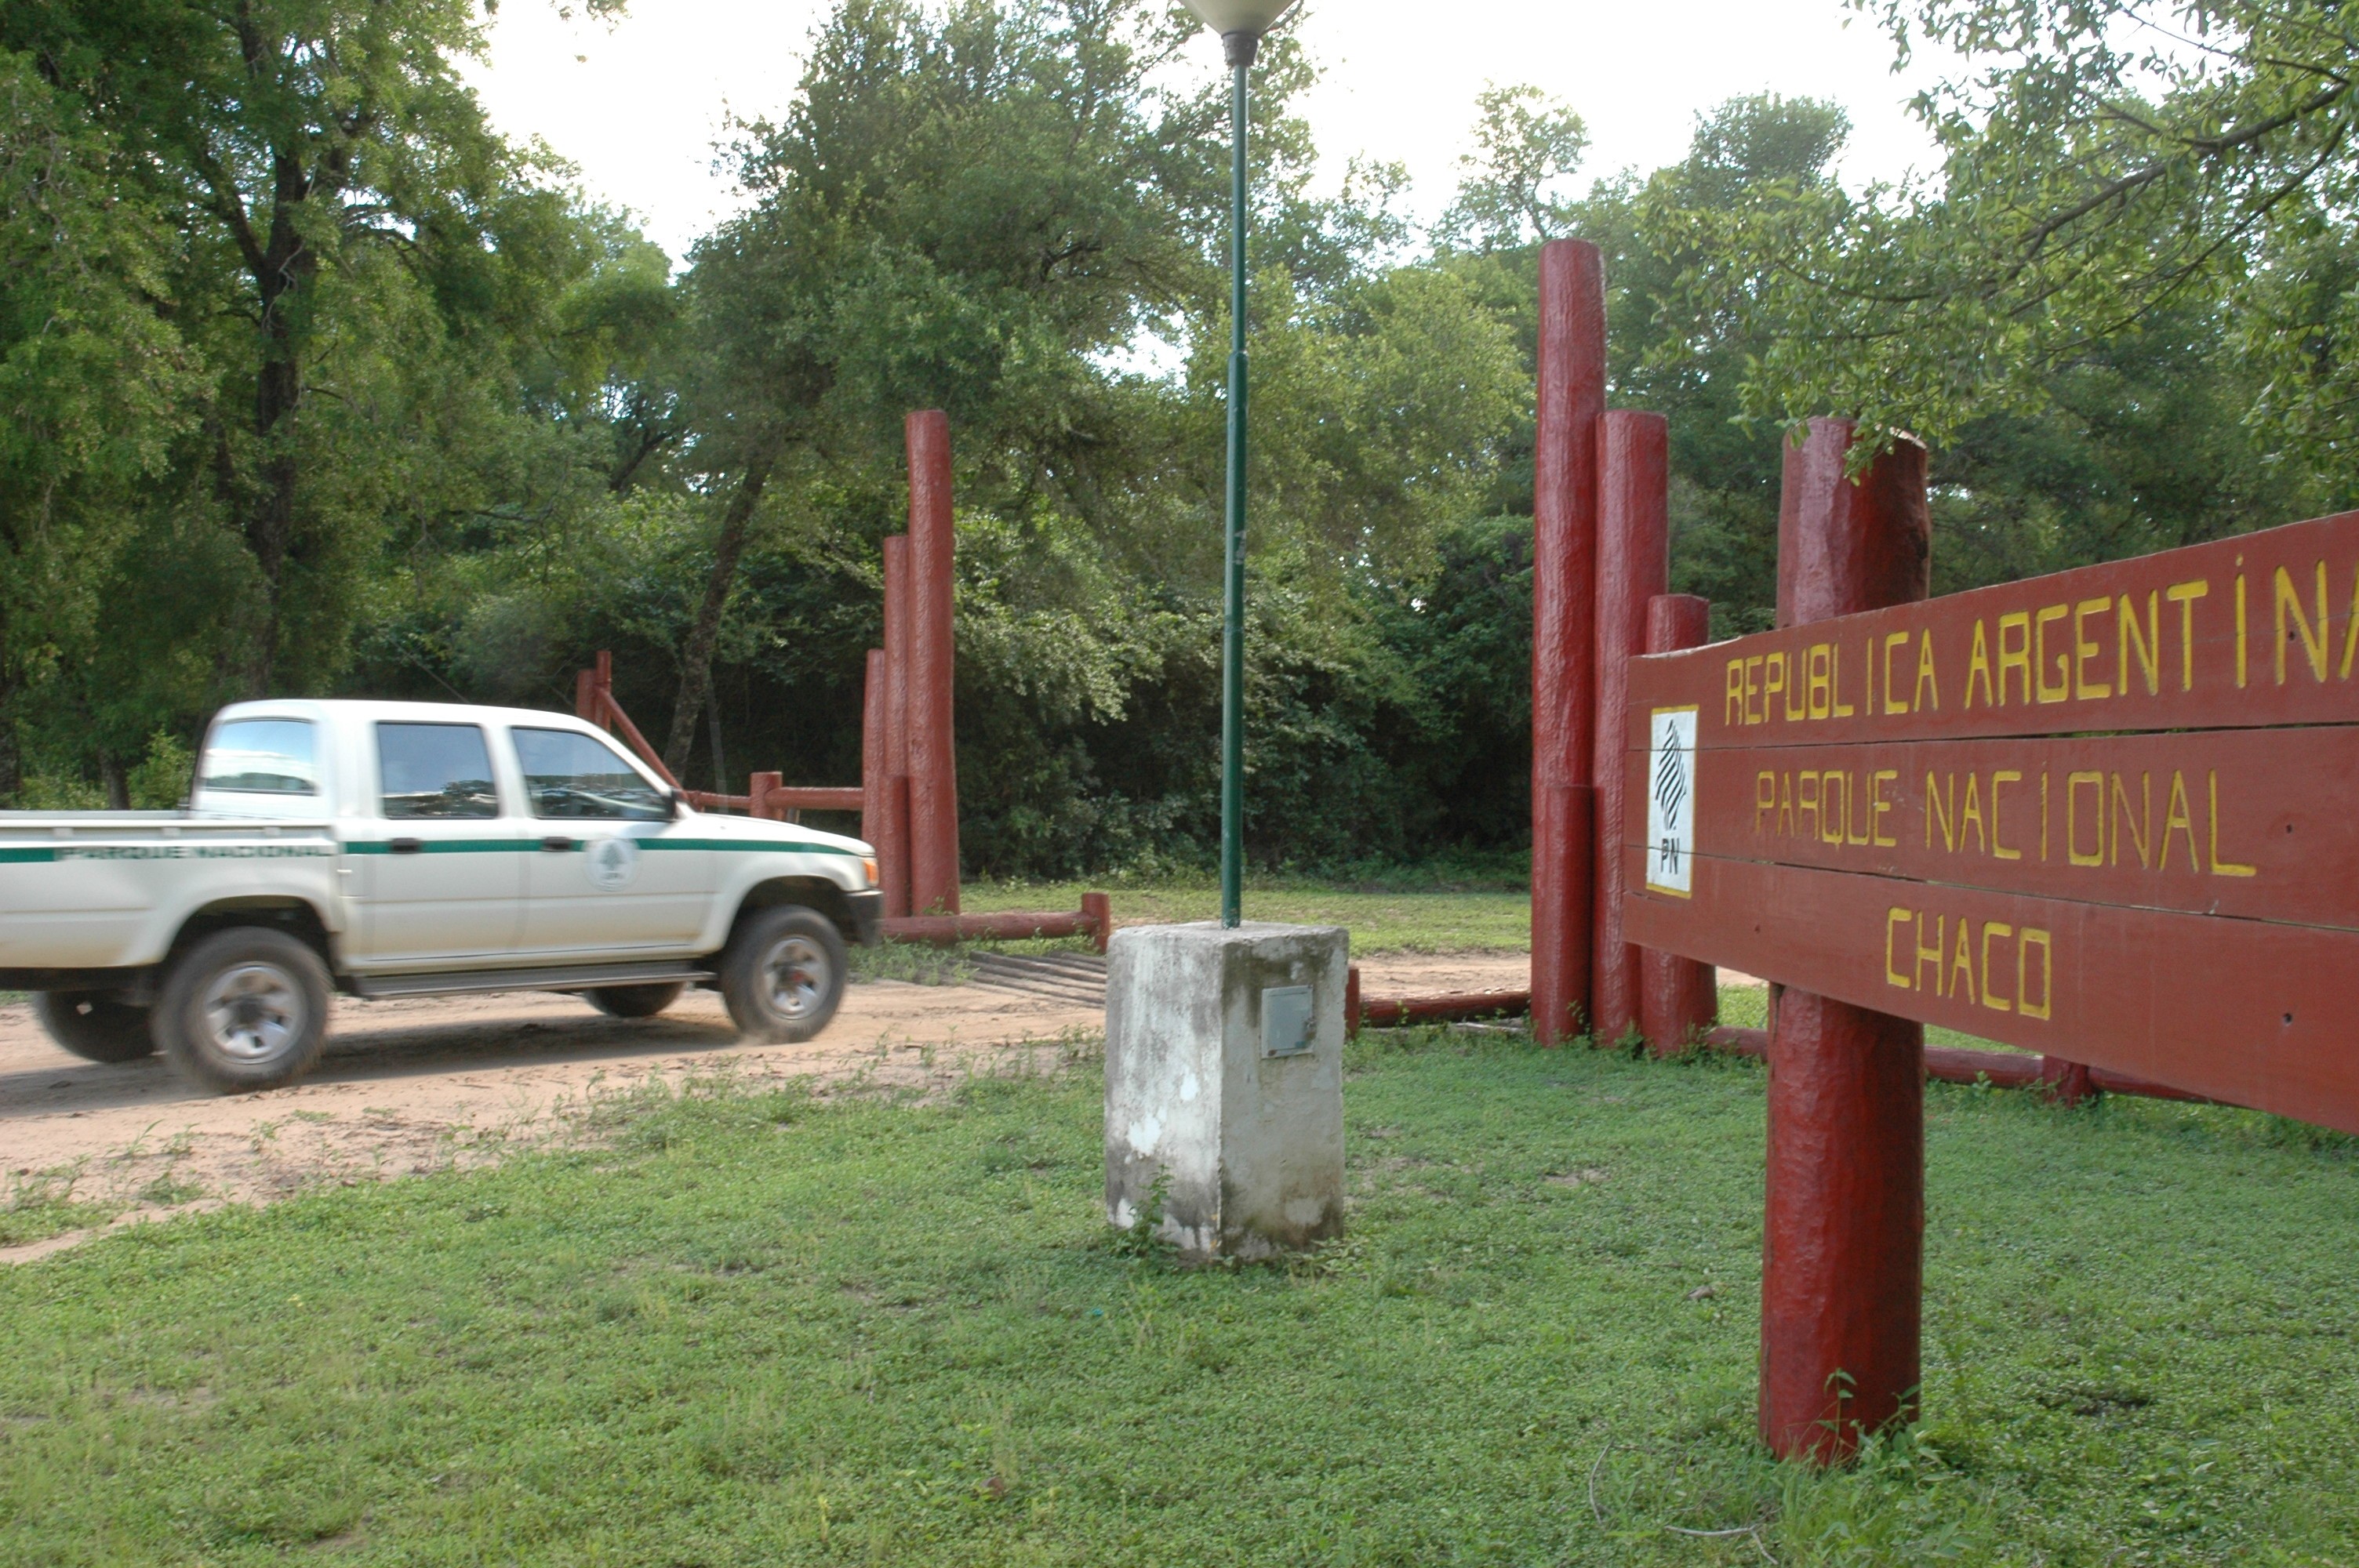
[[41, 1203], [169, 1191]]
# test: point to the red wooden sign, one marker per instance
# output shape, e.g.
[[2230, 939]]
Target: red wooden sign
[[2110, 815]]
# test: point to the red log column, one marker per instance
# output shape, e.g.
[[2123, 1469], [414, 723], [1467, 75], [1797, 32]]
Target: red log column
[[1633, 565], [933, 751], [883, 810], [893, 842], [1678, 999], [1572, 395], [1842, 1241]]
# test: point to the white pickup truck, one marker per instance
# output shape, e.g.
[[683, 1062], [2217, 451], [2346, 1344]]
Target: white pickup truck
[[387, 849]]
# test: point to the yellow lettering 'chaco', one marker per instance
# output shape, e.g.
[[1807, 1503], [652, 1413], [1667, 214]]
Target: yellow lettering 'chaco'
[[1994, 930], [1936, 952], [2031, 936], [1964, 968], [1961, 964]]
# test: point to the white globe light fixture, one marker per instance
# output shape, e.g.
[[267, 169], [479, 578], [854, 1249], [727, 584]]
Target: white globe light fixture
[[1241, 24]]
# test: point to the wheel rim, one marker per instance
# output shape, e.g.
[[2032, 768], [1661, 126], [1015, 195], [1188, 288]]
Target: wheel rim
[[795, 975], [253, 1011]]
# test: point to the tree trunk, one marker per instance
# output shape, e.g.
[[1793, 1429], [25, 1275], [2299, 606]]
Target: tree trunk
[[696, 656], [117, 782]]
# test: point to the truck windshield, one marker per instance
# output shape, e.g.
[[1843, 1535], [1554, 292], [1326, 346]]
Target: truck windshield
[[567, 773], [262, 756]]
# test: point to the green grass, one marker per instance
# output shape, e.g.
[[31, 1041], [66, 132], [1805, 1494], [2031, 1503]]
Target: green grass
[[759, 1330], [41, 1203], [1419, 916]]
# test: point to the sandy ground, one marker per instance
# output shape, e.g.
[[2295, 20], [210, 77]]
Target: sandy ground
[[416, 1086]]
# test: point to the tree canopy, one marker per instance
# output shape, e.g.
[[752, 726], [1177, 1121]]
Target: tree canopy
[[314, 383]]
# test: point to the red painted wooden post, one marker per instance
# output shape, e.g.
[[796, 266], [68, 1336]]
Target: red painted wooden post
[[1633, 565], [2068, 1082], [1572, 395], [1352, 1002], [876, 782], [933, 751], [1678, 999], [585, 696], [757, 797], [1098, 910], [892, 840], [605, 684], [1842, 1244]]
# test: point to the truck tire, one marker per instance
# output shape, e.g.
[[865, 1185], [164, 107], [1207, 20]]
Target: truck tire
[[783, 974], [243, 1009], [95, 1025], [634, 1002]]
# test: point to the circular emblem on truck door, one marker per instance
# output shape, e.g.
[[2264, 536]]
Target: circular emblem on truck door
[[613, 863]]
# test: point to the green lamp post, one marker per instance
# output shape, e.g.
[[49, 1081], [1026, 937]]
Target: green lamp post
[[1241, 24]]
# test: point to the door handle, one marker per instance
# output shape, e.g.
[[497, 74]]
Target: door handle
[[404, 846], [557, 845]]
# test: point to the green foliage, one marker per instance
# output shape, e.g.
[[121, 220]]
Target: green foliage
[[2108, 170], [416, 421], [747, 1327]]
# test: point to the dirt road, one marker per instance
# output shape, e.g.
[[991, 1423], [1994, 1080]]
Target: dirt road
[[417, 1085]]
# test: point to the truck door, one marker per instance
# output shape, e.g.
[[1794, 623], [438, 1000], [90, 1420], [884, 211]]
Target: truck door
[[442, 862], [615, 874]]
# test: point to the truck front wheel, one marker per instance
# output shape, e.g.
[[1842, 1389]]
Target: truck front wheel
[[94, 1025], [783, 974], [245, 1009]]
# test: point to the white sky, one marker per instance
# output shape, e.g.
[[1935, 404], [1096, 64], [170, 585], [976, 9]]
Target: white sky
[[640, 109]]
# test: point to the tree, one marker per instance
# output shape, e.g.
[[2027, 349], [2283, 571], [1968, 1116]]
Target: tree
[[1513, 187], [293, 144], [2105, 167]]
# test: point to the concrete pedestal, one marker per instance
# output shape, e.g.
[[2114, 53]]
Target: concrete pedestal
[[1224, 1080]]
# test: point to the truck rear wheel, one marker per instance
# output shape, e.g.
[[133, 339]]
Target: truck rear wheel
[[95, 1025], [783, 974], [634, 1002], [245, 1009]]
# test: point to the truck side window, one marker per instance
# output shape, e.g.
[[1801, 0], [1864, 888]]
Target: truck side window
[[435, 771], [567, 773], [262, 756]]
